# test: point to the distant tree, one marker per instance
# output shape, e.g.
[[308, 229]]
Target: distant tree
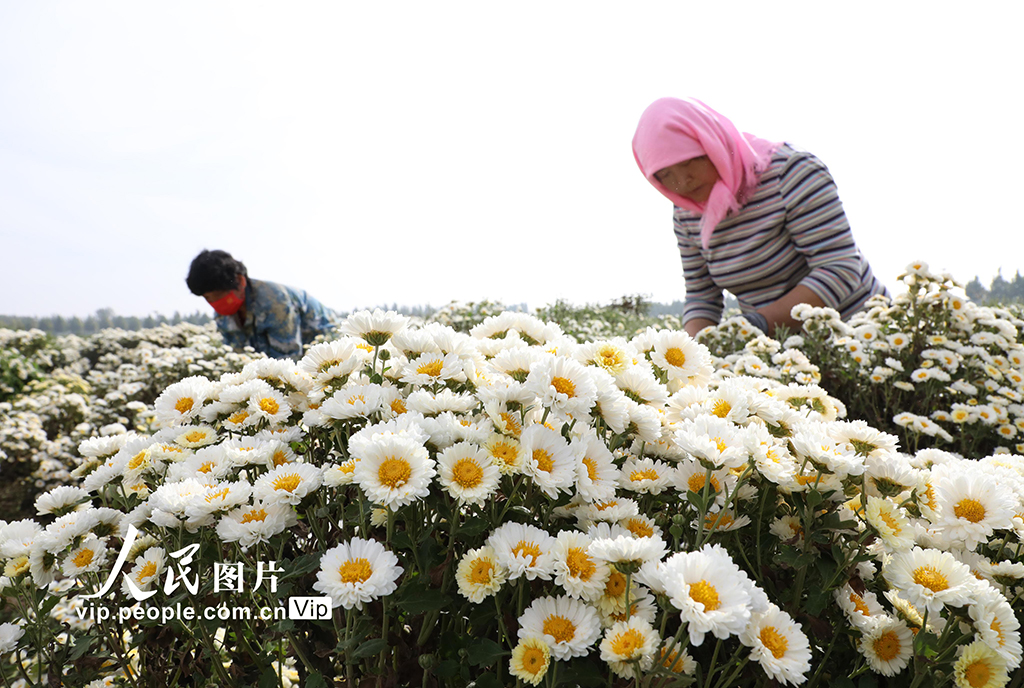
[[60, 325], [976, 291], [75, 325]]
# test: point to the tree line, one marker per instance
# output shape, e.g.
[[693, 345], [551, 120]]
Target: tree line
[[1001, 291], [103, 318]]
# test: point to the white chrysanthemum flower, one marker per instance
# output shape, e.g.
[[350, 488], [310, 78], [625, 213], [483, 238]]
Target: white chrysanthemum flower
[[530, 660], [887, 644], [930, 578], [146, 571], [406, 426], [10, 634], [612, 356], [394, 471], [692, 477], [779, 646], [997, 625], [103, 447], [979, 666], [88, 557], [269, 405], [569, 626], [646, 476], [479, 574], [353, 401], [259, 522], [641, 526], [356, 572], [548, 459], [889, 522], [170, 501], [505, 453], [427, 403], [596, 473], [219, 498], [627, 549], [723, 520], [639, 384], [61, 500], [629, 647], [576, 570], [969, 509], [196, 436], [331, 361], [338, 474], [607, 511], [374, 328], [523, 550], [182, 401], [431, 368], [712, 440], [562, 385], [289, 483], [682, 358], [709, 590], [467, 473], [862, 609]]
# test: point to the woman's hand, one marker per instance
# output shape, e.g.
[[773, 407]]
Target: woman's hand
[[777, 312]]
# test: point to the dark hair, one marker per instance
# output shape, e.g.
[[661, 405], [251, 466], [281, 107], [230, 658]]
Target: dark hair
[[214, 271]]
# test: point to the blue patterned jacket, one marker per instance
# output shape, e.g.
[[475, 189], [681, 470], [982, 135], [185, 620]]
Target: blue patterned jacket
[[278, 320]]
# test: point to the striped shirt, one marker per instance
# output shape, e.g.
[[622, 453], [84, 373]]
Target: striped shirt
[[792, 231]]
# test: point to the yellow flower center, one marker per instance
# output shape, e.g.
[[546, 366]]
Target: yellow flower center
[[147, 571], [83, 558], [997, 627], [645, 474], [356, 398], [969, 509], [928, 577], [195, 436], [527, 549], [355, 571], [183, 405], [269, 406], [721, 408], [722, 446], [616, 585], [859, 604], [254, 515], [625, 645], [348, 467], [978, 674], [639, 527], [774, 641], [534, 660], [674, 661], [580, 565], [433, 369], [480, 573], [564, 386], [511, 423], [705, 593], [890, 521], [239, 417], [591, 467], [467, 473], [887, 646], [138, 460], [398, 406], [696, 483], [394, 472], [675, 357], [280, 458], [505, 452], [543, 459], [560, 628], [287, 482], [219, 494], [719, 520]]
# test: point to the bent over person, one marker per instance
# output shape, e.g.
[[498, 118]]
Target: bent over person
[[760, 219], [271, 318]]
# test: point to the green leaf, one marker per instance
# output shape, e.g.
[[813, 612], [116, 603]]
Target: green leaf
[[696, 499], [370, 648], [48, 604], [269, 678], [868, 681], [814, 498], [315, 680], [488, 680], [300, 566], [447, 668], [842, 682], [484, 652], [474, 526], [423, 600], [80, 647]]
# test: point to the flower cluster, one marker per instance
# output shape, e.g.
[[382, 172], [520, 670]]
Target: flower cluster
[[511, 502]]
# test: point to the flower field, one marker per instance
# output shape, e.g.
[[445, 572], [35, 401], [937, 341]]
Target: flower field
[[495, 498]]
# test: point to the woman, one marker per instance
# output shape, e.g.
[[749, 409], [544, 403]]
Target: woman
[[272, 318], [760, 219]]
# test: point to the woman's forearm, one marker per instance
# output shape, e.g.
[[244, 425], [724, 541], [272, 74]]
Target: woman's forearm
[[694, 326], [777, 312]]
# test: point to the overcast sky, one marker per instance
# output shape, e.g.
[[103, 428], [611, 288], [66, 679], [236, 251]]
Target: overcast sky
[[417, 152]]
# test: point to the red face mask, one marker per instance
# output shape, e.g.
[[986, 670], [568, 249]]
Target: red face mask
[[227, 305]]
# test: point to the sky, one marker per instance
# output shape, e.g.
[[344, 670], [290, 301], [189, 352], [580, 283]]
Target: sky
[[417, 153]]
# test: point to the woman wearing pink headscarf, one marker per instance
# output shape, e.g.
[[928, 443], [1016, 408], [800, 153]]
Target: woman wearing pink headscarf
[[760, 219]]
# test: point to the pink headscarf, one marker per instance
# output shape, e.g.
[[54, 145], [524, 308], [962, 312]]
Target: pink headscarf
[[673, 130]]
